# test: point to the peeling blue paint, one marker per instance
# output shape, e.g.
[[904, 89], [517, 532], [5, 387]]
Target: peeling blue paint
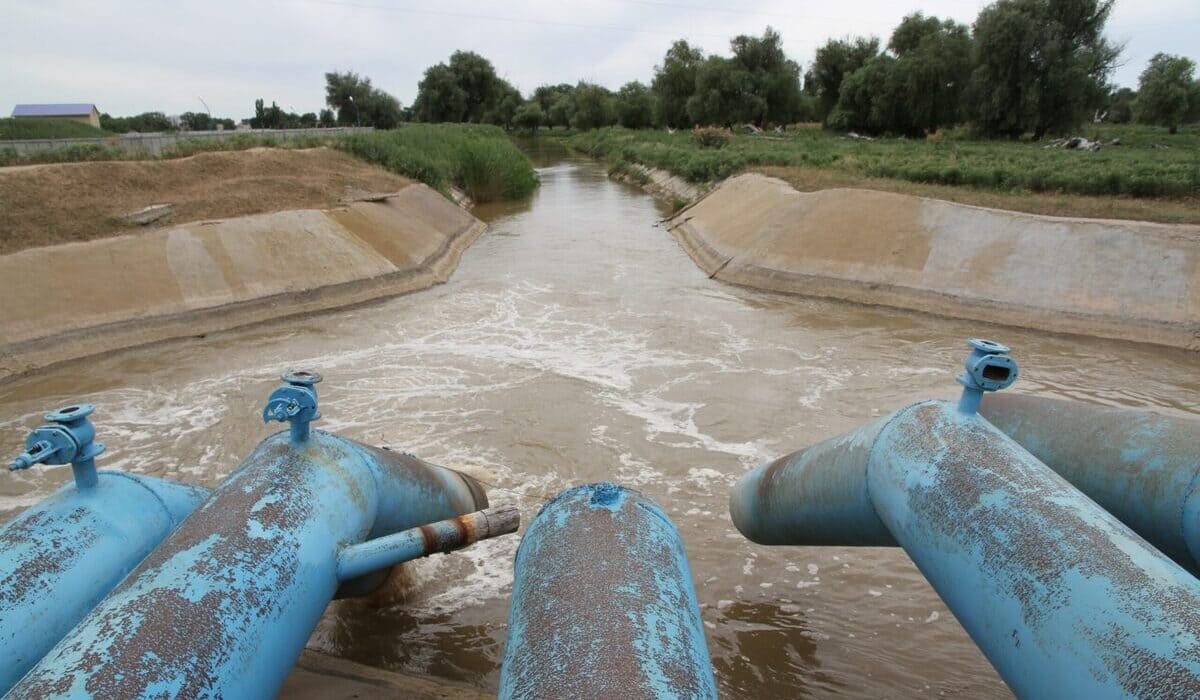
[[62, 555], [1062, 598], [224, 606], [1141, 466], [603, 604]]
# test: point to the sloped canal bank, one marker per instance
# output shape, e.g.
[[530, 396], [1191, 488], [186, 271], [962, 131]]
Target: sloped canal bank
[[577, 342]]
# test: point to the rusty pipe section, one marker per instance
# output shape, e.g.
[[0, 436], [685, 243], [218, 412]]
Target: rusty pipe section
[[1061, 597], [443, 536], [1140, 466], [603, 604], [65, 553], [224, 606]]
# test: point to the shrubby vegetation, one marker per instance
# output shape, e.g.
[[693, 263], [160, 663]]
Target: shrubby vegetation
[[1135, 169], [480, 160]]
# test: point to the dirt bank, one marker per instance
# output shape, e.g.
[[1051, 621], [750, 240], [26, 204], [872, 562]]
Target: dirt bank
[[1115, 279], [47, 204], [76, 299]]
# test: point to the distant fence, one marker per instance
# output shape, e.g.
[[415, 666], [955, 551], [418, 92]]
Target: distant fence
[[155, 143]]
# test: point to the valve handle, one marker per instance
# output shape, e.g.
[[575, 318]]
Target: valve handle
[[40, 451]]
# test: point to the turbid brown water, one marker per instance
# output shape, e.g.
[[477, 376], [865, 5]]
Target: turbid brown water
[[576, 343]]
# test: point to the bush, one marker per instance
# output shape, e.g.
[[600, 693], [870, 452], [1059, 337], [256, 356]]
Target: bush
[[479, 159], [711, 137]]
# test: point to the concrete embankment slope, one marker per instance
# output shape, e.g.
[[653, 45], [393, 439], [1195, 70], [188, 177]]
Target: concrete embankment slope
[[76, 299], [1116, 279]]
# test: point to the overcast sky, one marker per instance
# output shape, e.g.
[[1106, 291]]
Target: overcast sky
[[136, 56]]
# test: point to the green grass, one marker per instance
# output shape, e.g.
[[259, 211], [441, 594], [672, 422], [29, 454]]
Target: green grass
[[14, 129], [1136, 168], [479, 159]]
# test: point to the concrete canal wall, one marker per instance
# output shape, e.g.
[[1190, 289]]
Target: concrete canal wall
[[76, 299], [1116, 279]]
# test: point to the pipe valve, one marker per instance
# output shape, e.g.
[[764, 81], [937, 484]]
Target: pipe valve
[[67, 438], [989, 368], [295, 402]]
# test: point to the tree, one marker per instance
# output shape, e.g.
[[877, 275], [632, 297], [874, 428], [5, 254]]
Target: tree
[[343, 91], [772, 80], [675, 82], [592, 107], [833, 62], [635, 106], [1119, 109], [547, 95], [505, 104], [1166, 90], [1040, 65], [466, 89], [196, 121], [529, 116], [358, 102], [439, 97], [874, 99], [267, 117], [477, 78], [931, 73], [326, 119], [561, 111], [146, 122], [724, 94]]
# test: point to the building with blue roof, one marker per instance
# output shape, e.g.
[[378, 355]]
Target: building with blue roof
[[85, 113]]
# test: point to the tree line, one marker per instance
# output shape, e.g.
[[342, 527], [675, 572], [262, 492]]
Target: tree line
[[1024, 66]]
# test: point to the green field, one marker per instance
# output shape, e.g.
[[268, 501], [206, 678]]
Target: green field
[[14, 129], [1151, 175], [1148, 163]]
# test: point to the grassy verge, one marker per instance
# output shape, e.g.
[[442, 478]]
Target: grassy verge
[[478, 159], [13, 129], [481, 160], [1151, 175]]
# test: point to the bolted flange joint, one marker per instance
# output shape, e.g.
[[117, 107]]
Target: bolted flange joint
[[989, 368], [295, 403], [68, 437]]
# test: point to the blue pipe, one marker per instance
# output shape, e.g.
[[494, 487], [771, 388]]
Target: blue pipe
[[1061, 597], [225, 605], [603, 604], [62, 555], [1140, 466]]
